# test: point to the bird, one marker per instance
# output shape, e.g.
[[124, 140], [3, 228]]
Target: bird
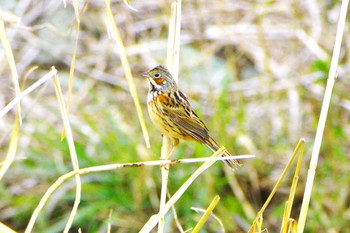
[[171, 112]]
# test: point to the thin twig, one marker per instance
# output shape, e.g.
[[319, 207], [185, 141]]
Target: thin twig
[[18, 98]]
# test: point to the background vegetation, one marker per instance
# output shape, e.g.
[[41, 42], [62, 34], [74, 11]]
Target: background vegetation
[[255, 71]]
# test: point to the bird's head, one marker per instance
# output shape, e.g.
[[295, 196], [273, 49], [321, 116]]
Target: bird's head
[[160, 79]]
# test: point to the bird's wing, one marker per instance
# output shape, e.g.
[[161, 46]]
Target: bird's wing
[[186, 119]]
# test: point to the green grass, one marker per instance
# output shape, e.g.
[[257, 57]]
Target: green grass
[[247, 108]]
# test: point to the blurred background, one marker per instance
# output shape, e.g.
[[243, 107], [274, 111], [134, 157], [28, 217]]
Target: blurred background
[[255, 72]]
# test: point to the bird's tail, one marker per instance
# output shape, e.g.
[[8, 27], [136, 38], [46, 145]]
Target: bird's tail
[[214, 146]]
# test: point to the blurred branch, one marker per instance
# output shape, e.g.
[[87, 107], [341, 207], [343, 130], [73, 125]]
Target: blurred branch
[[5, 229], [18, 98], [127, 3], [72, 65], [12, 64], [114, 33], [12, 150]]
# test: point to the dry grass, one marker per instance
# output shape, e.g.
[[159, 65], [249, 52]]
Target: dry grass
[[255, 71]]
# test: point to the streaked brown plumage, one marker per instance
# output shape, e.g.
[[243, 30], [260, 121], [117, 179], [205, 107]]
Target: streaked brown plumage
[[172, 113]]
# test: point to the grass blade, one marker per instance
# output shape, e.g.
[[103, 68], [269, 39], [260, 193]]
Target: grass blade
[[74, 160], [207, 214], [12, 150], [114, 33], [11, 61]]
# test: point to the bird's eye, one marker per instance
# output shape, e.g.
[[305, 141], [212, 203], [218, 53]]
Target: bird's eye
[[157, 75]]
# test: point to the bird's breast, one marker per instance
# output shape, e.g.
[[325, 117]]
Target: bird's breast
[[158, 109], [152, 95], [161, 99]]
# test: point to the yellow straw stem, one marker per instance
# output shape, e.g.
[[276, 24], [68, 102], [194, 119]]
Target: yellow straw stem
[[114, 33], [12, 150], [323, 116], [206, 214], [12, 64], [173, 66]]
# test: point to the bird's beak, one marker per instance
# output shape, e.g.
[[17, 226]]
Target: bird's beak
[[145, 74]]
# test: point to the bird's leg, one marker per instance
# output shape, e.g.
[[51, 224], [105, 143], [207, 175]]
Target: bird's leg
[[175, 144]]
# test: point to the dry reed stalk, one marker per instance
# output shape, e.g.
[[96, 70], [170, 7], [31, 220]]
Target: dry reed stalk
[[12, 149], [74, 160], [206, 214], [332, 75], [12, 64], [173, 65], [5, 229], [257, 224], [31, 88], [152, 222], [286, 221], [114, 34], [111, 167], [72, 64], [72, 151]]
